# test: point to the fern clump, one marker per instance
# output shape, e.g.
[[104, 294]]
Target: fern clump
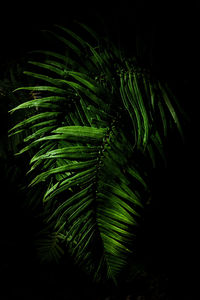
[[96, 120]]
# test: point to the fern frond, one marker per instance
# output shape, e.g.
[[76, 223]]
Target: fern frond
[[97, 115]]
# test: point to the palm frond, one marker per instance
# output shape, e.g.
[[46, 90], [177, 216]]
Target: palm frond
[[96, 116]]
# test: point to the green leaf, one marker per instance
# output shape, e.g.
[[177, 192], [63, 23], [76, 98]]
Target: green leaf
[[74, 35], [42, 88], [87, 113], [163, 118], [101, 64], [72, 153], [135, 174], [71, 200], [89, 30], [81, 114], [35, 118], [117, 204], [77, 210], [81, 178], [39, 102], [69, 167], [171, 108], [120, 216], [119, 192], [129, 94], [142, 108], [43, 77], [85, 91], [42, 150], [52, 53], [48, 67], [38, 133], [152, 95], [182, 112], [85, 80], [67, 43], [81, 133], [57, 64]]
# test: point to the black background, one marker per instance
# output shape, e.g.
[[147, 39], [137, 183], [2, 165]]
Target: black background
[[169, 242]]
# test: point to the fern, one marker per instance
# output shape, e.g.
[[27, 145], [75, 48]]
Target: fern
[[99, 119]]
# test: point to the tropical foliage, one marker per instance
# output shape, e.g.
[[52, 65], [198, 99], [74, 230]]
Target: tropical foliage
[[95, 124]]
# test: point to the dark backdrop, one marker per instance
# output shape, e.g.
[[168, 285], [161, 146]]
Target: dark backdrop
[[168, 37]]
